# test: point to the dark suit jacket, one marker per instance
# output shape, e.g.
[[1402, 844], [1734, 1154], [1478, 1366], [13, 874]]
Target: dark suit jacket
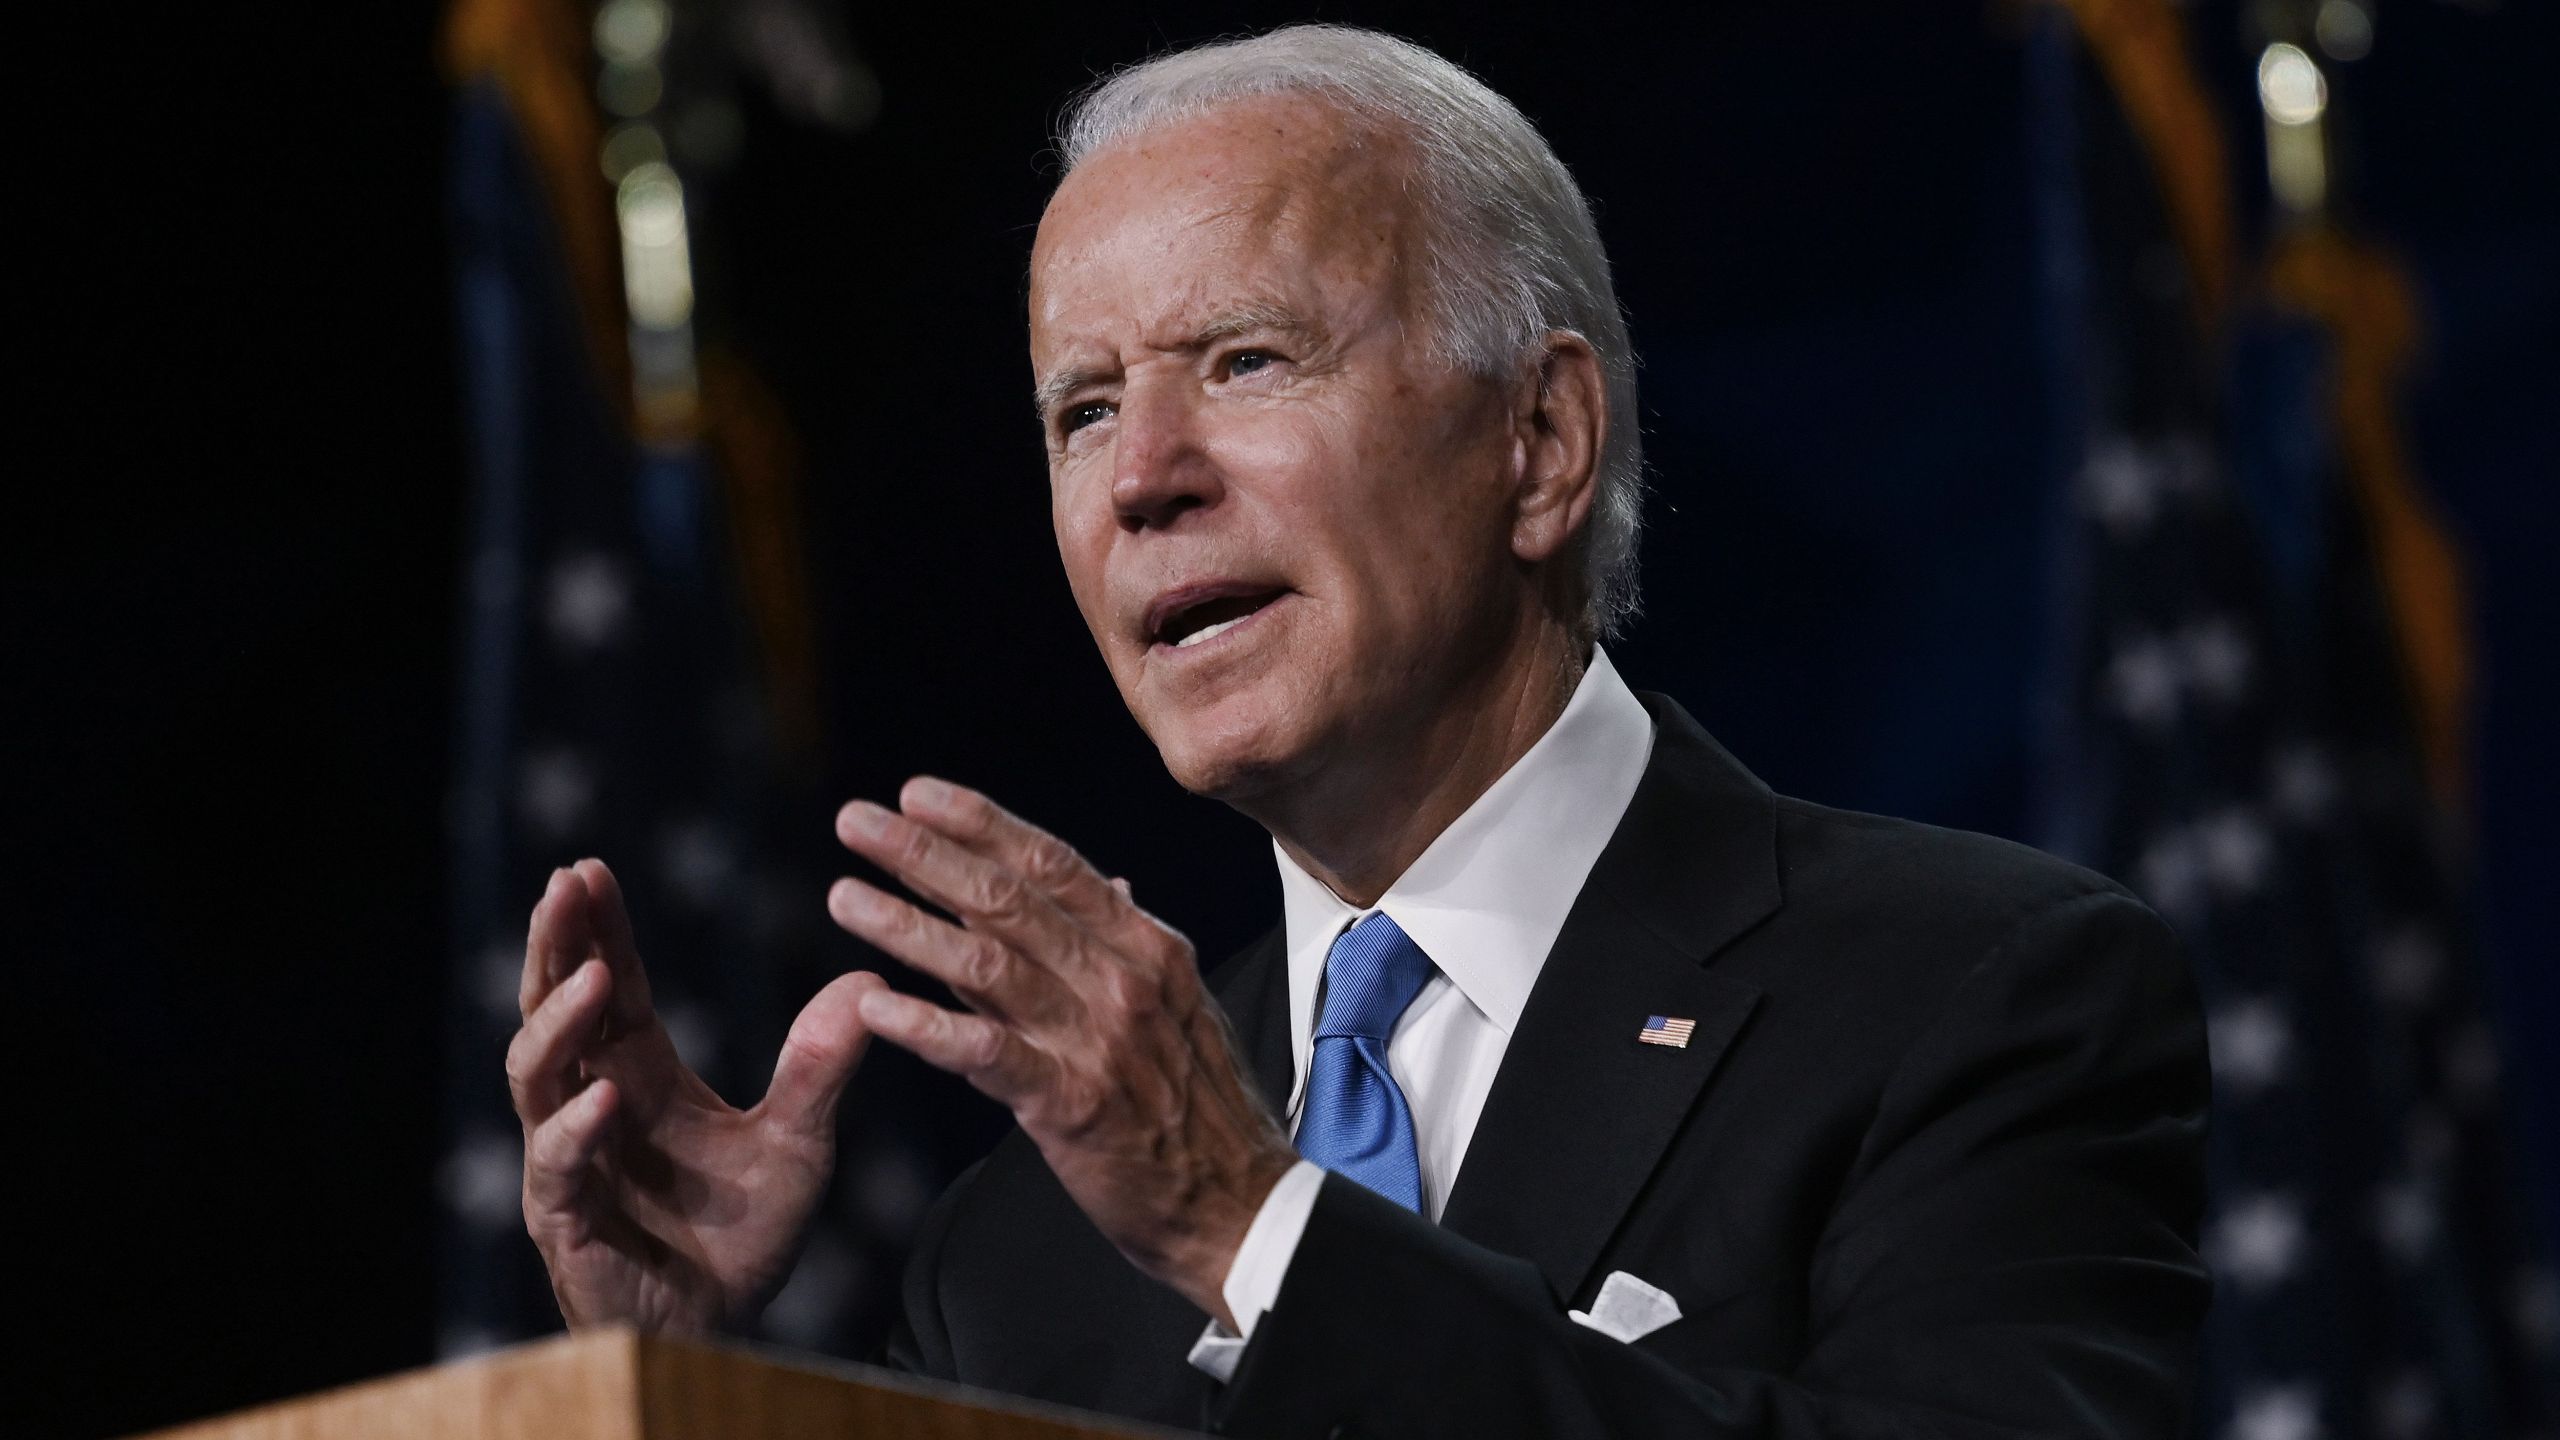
[[1931, 1165]]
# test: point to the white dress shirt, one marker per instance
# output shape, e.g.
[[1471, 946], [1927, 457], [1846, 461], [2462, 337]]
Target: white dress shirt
[[1485, 901]]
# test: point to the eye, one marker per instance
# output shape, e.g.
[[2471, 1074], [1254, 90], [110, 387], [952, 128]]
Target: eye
[[1076, 417], [1246, 362]]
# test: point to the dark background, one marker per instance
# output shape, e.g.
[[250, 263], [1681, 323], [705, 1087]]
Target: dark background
[[231, 596]]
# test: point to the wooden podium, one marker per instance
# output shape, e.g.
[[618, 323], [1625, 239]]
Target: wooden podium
[[620, 1385]]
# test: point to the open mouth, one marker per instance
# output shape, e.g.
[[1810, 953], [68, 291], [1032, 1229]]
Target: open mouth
[[1182, 622]]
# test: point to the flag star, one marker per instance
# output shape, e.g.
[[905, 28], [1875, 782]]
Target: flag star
[[2251, 1041], [500, 972], [2277, 1412], [889, 1191], [2145, 680], [693, 1034], [2171, 874], [813, 1300], [2404, 1406], [2304, 784], [2236, 851], [2404, 1216], [588, 601], [2218, 659], [555, 790], [2123, 485], [2259, 1241], [483, 1179], [2404, 964], [699, 860]]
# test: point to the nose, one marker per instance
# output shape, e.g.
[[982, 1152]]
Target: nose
[[1160, 466]]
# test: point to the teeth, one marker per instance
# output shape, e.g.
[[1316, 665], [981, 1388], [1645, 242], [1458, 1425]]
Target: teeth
[[1203, 633]]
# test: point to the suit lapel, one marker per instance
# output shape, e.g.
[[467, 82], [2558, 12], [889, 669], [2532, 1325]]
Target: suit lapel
[[1582, 1111]]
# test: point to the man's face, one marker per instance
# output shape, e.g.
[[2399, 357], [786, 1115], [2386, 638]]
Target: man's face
[[1286, 524]]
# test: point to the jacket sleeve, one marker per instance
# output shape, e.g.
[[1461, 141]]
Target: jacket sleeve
[[2011, 1254]]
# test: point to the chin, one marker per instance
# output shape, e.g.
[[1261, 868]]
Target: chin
[[1231, 751]]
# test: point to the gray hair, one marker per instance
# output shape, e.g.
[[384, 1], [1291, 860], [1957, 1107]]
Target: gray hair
[[1513, 254]]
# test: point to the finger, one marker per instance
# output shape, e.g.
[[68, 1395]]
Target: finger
[[982, 970], [819, 1054], [973, 1047], [989, 897], [609, 924], [559, 1156], [555, 941], [554, 1035], [1053, 867], [1140, 945]]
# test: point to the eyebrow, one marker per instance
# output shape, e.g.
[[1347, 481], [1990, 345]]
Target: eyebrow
[[1226, 325]]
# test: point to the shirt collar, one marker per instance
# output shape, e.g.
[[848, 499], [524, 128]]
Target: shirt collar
[[1487, 898]]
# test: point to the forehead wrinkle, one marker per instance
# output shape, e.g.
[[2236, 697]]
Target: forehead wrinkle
[[1340, 191], [1236, 216]]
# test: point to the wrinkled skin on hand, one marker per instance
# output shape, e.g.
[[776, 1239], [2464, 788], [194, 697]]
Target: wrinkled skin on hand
[[654, 1202], [1085, 1016]]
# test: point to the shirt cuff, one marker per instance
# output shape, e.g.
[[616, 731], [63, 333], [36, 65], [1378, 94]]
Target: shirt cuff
[[1262, 1262]]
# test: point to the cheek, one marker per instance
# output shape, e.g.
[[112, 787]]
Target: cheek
[[1286, 459], [1321, 476], [1084, 534], [1436, 523]]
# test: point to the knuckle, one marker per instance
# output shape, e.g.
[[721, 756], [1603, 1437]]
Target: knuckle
[[542, 1157], [1000, 895], [912, 847], [1172, 949], [982, 1045], [1122, 998], [1178, 988], [1077, 1108], [983, 965], [1050, 862], [899, 922], [970, 813], [520, 1068]]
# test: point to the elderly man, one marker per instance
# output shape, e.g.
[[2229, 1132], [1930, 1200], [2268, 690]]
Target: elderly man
[[1587, 1087]]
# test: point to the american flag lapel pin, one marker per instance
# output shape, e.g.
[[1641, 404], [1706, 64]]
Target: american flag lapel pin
[[1668, 1030]]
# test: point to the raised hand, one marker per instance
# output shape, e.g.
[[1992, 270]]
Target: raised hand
[[1086, 1018], [654, 1202]]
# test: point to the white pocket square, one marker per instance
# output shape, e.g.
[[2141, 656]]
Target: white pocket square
[[1627, 1308]]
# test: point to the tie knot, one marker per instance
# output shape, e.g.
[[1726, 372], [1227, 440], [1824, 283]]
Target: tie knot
[[1372, 973]]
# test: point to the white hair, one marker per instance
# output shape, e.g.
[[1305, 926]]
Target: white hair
[[1512, 253]]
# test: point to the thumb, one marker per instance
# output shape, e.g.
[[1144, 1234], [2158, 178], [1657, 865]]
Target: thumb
[[819, 1054]]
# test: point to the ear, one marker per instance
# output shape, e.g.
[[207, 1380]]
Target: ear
[[1560, 419]]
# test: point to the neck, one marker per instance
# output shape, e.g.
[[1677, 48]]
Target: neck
[[1362, 823]]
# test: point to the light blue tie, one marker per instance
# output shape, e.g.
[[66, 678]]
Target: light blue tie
[[1355, 1122]]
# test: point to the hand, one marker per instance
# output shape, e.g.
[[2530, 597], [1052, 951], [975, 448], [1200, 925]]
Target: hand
[[654, 1202], [1086, 1018]]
